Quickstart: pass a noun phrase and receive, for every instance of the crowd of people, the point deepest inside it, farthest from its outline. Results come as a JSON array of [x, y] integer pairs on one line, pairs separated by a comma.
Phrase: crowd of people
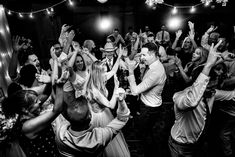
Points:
[[79, 105]]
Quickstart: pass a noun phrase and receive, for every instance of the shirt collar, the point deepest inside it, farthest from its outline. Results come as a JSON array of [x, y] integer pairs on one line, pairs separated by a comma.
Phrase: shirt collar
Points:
[[154, 64]]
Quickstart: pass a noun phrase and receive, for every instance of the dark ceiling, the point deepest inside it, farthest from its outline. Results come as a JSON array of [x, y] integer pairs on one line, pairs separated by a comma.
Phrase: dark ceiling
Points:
[[17, 4]]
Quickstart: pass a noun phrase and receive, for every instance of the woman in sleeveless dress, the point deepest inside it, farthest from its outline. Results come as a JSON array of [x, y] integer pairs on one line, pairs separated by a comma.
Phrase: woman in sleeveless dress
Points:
[[100, 107]]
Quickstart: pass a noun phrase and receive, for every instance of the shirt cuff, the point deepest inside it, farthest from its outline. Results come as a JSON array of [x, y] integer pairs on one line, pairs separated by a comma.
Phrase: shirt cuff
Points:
[[203, 78]]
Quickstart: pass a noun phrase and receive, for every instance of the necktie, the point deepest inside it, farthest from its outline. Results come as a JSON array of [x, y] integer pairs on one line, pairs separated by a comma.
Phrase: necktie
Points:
[[110, 64], [145, 71]]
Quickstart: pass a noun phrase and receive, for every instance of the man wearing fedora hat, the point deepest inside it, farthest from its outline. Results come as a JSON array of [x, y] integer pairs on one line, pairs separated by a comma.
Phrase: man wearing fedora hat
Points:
[[110, 59]]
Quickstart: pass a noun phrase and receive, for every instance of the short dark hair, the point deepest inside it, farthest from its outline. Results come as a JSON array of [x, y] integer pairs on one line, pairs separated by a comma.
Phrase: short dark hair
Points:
[[27, 75], [77, 112], [152, 47], [24, 55]]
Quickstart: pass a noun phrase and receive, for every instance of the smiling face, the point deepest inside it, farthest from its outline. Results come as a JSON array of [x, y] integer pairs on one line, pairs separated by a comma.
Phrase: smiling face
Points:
[[58, 49], [79, 63], [146, 56], [187, 44], [33, 59], [197, 55]]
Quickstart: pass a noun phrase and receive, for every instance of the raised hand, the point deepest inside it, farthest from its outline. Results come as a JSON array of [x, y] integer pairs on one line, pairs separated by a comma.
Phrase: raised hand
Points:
[[121, 94], [191, 25], [52, 52], [65, 27], [178, 34], [131, 64], [15, 44], [76, 46], [211, 29], [178, 62], [213, 54]]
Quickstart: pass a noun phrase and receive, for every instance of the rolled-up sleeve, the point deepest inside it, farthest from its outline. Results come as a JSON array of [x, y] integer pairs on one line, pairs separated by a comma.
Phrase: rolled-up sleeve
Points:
[[222, 95], [191, 96], [146, 84]]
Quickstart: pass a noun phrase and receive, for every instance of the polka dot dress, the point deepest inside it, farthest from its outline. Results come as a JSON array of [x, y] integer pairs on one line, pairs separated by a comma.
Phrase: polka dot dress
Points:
[[42, 145]]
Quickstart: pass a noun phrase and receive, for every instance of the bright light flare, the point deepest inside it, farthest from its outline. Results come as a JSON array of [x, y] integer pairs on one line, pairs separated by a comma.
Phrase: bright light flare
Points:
[[105, 24], [174, 23]]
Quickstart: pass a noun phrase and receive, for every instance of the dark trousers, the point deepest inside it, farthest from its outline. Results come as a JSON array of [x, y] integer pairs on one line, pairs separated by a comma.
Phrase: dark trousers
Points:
[[226, 133], [185, 150], [146, 121]]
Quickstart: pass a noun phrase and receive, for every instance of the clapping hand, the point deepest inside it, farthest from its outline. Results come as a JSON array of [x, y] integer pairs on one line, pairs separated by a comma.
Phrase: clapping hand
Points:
[[64, 77], [43, 78], [121, 94]]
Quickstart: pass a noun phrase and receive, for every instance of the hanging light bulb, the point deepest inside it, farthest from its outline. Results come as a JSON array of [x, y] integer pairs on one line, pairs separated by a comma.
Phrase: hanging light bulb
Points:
[[102, 1], [71, 2], [174, 11], [192, 10], [52, 10], [48, 12], [20, 15], [9, 12], [31, 15]]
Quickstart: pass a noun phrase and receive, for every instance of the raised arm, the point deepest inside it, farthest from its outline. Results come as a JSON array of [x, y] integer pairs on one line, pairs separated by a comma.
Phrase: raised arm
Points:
[[31, 128], [69, 40], [192, 95], [12, 69], [186, 78], [204, 40], [178, 34], [192, 34], [134, 48]]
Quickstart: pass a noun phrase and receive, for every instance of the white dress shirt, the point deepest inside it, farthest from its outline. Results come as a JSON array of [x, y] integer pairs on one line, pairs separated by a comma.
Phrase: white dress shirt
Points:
[[151, 86], [190, 110]]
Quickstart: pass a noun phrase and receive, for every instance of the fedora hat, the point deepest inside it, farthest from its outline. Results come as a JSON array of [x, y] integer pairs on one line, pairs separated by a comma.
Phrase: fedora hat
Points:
[[108, 47]]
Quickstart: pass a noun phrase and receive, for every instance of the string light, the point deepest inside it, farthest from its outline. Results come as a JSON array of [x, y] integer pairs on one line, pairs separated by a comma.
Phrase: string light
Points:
[[174, 11], [9, 12], [192, 10], [20, 15], [31, 15], [48, 12], [71, 2], [148, 2]]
